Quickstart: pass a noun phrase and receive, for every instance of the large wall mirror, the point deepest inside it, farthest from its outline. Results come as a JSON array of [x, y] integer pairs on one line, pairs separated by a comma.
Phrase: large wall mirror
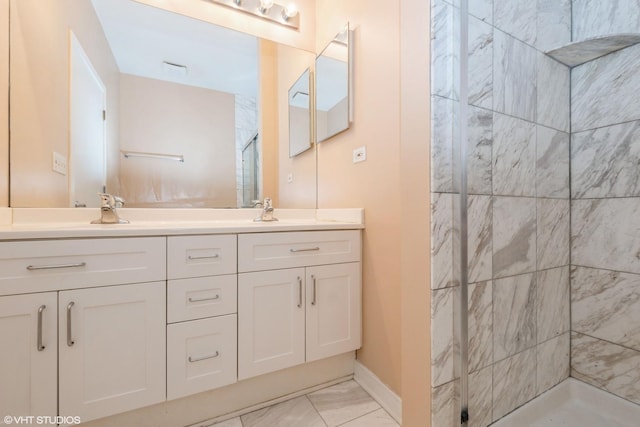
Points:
[[300, 114], [160, 108], [334, 103]]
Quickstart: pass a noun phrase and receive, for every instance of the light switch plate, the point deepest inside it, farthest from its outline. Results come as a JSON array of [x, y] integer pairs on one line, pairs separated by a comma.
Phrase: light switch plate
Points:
[[360, 154], [59, 163], [290, 178]]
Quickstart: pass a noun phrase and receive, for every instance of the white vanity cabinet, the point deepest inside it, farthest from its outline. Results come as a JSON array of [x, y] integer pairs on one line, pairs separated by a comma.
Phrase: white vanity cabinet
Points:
[[201, 313], [104, 336], [288, 316], [29, 356]]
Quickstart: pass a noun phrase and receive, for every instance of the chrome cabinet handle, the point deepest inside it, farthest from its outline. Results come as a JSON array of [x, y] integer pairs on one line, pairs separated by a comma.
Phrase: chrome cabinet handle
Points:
[[204, 257], [70, 341], [299, 292], [40, 310], [198, 359], [204, 299], [50, 267], [304, 250], [315, 290]]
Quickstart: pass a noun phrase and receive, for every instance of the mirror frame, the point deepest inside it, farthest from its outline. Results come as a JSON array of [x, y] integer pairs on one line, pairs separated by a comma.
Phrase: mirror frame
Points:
[[294, 149], [347, 33]]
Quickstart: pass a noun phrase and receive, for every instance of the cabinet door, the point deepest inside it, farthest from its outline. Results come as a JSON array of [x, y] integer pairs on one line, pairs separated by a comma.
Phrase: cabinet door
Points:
[[270, 321], [333, 310], [112, 349], [29, 356]]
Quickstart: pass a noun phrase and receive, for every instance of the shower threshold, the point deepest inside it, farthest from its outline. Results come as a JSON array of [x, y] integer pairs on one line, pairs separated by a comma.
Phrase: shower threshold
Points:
[[573, 403]]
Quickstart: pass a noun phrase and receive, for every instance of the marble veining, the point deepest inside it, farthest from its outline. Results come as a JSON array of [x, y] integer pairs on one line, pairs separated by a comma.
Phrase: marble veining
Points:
[[443, 366], [608, 366], [514, 315], [443, 238], [479, 236], [291, 413], [604, 91], [480, 391], [593, 18], [514, 382], [580, 52], [480, 325], [605, 233], [553, 85], [553, 23], [234, 422], [445, 50], [342, 402], [480, 145], [514, 235], [604, 304], [482, 9], [444, 137], [516, 17], [552, 163], [480, 80], [605, 162], [553, 363], [379, 418], [514, 156], [514, 78], [553, 239], [445, 405], [552, 302]]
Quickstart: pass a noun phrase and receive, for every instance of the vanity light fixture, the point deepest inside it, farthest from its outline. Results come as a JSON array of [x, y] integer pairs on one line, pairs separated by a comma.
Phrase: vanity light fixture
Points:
[[266, 9]]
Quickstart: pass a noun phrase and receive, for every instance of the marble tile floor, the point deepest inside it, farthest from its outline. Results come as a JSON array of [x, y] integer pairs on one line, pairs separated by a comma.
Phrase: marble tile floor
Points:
[[345, 404]]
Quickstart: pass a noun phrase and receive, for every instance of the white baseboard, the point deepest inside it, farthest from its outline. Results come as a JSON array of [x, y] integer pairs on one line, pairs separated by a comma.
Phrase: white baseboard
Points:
[[382, 394]]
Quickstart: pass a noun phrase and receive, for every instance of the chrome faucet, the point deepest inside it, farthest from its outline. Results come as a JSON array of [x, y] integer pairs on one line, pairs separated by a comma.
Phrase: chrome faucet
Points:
[[108, 213], [267, 211]]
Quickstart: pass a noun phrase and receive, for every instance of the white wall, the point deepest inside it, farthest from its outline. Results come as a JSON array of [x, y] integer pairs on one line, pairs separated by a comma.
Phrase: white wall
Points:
[[169, 118], [4, 103]]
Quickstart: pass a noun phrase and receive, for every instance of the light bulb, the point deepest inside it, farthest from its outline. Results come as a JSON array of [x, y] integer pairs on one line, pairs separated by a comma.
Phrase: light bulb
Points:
[[265, 5], [238, 2], [290, 11]]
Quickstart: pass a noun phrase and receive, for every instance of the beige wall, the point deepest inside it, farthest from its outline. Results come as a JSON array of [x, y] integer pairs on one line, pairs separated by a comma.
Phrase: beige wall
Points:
[[268, 119], [301, 192], [415, 205], [4, 103], [226, 17], [373, 184], [40, 93], [170, 118]]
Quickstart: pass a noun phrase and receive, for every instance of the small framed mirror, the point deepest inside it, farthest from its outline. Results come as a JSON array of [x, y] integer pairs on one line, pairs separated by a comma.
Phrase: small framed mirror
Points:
[[334, 86], [300, 115]]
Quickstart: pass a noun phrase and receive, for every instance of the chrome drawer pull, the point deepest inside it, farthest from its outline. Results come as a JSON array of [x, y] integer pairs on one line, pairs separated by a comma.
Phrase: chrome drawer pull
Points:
[[70, 341], [314, 301], [304, 250], [204, 257], [50, 267], [40, 310], [199, 359], [204, 299], [299, 292]]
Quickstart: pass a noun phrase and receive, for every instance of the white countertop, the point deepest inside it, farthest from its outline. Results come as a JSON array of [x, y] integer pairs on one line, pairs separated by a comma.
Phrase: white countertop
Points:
[[36, 223]]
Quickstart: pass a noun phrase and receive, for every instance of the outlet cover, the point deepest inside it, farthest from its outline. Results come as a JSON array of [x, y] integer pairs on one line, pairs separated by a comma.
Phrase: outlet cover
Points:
[[360, 154], [290, 178], [59, 163]]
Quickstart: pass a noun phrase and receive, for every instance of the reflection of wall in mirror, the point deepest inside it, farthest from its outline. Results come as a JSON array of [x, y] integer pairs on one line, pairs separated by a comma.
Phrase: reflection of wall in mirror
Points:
[[246, 129], [40, 96], [301, 191], [4, 103], [162, 117], [299, 128], [333, 121]]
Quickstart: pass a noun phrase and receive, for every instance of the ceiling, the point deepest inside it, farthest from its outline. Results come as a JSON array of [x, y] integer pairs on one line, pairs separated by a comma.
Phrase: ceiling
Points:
[[143, 37]]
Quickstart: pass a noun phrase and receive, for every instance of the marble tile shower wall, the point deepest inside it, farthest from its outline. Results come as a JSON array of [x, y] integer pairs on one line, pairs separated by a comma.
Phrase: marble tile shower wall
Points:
[[518, 207], [605, 185]]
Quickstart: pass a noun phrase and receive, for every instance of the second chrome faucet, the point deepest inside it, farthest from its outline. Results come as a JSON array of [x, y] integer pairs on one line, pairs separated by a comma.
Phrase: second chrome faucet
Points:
[[267, 212]]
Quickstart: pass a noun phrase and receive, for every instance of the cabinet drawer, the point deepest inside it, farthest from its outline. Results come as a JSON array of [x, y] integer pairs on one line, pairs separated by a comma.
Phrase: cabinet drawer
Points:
[[268, 251], [34, 266], [201, 355], [201, 297], [197, 256]]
